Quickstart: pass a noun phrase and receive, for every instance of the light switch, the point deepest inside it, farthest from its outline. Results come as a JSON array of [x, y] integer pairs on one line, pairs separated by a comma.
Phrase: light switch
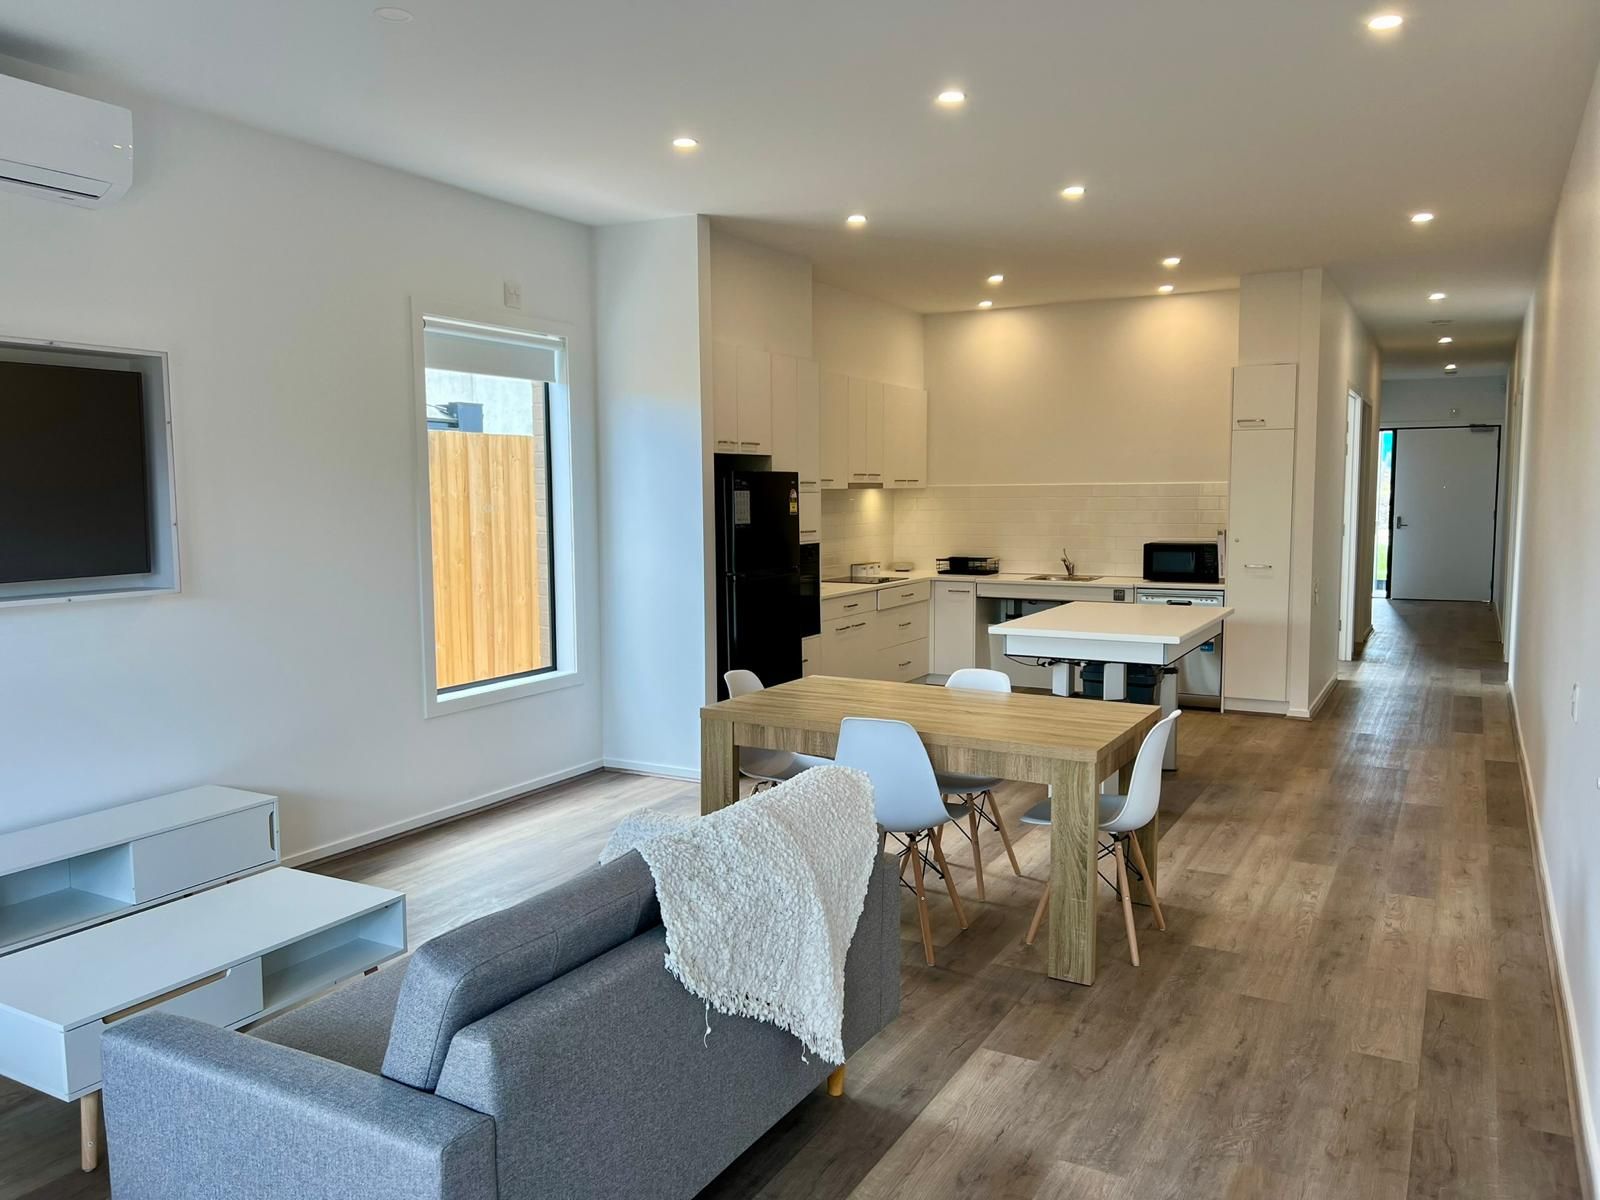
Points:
[[513, 294]]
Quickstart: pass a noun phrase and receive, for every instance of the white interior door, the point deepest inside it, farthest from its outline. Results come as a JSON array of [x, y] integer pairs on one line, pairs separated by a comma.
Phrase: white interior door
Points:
[[1444, 497]]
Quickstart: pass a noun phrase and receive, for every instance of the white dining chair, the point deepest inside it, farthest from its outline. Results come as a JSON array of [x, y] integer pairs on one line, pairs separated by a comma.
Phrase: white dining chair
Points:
[[906, 801], [767, 767], [1121, 817], [978, 790]]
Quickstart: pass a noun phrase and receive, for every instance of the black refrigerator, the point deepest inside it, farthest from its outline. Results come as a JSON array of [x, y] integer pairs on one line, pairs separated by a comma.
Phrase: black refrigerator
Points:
[[759, 612]]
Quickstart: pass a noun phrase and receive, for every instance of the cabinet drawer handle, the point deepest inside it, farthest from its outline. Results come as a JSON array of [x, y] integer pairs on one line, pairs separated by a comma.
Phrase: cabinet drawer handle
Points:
[[873, 475], [848, 607], [827, 479], [905, 624], [749, 443], [950, 591], [907, 663], [1258, 566], [803, 532], [859, 625], [1251, 421], [907, 595]]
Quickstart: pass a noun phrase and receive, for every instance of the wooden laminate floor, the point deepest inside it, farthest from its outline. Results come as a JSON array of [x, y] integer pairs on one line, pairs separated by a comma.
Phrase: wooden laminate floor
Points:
[[1352, 997]]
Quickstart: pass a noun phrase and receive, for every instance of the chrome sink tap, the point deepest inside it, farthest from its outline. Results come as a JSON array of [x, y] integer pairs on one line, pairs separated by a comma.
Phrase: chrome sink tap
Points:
[[1067, 564]]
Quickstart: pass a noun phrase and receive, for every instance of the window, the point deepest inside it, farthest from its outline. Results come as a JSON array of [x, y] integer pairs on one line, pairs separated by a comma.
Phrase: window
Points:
[[494, 412]]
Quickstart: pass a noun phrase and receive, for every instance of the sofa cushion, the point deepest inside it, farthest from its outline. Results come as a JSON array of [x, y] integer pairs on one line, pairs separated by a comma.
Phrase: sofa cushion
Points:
[[483, 965], [349, 1025]]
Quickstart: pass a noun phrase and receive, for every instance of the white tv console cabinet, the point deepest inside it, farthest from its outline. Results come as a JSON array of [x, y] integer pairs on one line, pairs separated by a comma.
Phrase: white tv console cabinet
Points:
[[228, 956], [78, 872]]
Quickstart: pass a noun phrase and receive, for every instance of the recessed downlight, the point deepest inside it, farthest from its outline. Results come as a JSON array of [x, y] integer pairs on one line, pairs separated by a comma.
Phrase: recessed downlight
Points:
[[1171, 261], [1446, 340], [985, 303], [996, 278], [1450, 368], [1421, 218], [685, 143], [1436, 296], [1386, 22], [856, 220], [397, 16], [951, 98], [1074, 191], [1165, 289]]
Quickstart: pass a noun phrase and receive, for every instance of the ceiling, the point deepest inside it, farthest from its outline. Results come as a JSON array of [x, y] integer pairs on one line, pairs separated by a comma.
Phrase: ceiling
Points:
[[1244, 135]]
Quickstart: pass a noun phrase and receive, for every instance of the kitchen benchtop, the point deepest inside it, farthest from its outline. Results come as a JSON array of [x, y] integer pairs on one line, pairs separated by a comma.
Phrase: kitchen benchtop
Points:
[[831, 590]]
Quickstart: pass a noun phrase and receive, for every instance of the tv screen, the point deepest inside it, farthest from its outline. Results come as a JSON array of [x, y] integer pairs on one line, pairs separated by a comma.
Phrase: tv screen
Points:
[[74, 486]]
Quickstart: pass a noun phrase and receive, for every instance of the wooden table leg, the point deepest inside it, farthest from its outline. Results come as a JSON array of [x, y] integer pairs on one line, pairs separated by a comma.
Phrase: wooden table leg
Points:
[[89, 1130], [719, 766], [1074, 896]]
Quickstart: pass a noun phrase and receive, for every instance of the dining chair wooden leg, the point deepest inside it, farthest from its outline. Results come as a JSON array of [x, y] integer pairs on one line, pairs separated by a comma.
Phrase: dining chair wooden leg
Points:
[[1149, 884], [1005, 836], [1038, 915], [977, 851], [949, 883], [1127, 900], [922, 902]]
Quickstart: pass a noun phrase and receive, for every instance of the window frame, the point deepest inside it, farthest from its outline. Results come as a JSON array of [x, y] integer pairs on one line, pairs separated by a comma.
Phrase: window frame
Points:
[[566, 672]]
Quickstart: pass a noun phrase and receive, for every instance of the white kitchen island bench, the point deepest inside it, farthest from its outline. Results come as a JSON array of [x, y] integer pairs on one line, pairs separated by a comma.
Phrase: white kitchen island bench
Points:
[[1115, 635]]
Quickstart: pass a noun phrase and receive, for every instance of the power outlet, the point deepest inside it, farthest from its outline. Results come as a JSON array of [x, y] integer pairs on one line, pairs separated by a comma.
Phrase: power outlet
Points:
[[513, 294]]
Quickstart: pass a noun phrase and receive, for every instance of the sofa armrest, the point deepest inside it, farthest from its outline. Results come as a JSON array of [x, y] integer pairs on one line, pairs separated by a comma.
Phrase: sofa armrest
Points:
[[193, 1111]]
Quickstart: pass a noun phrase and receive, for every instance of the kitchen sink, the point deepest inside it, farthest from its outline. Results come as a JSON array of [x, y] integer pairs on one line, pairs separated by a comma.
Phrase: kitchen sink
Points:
[[1065, 578]]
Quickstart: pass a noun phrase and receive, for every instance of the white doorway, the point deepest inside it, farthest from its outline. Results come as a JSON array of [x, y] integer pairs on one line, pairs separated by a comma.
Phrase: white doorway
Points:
[[1442, 534], [1355, 441]]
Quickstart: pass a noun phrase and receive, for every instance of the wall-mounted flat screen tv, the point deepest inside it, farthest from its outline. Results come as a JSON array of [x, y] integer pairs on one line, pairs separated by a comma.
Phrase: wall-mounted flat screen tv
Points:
[[74, 485]]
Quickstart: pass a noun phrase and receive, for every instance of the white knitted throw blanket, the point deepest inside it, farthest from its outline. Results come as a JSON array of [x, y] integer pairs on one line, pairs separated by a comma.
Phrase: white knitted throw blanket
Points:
[[760, 900]]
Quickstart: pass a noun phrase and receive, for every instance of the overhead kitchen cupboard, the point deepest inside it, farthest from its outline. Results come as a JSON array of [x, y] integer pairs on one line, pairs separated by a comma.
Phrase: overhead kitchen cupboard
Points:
[[833, 410], [905, 436], [866, 431], [1260, 516], [741, 397]]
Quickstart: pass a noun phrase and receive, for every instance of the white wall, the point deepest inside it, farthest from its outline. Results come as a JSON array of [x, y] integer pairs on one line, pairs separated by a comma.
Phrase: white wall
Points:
[[1556, 637], [1462, 400], [1347, 360], [279, 278], [653, 464], [760, 296], [1074, 393], [865, 337]]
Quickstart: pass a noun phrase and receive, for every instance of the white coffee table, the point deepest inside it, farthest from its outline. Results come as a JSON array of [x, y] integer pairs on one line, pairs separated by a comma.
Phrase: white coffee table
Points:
[[228, 956]]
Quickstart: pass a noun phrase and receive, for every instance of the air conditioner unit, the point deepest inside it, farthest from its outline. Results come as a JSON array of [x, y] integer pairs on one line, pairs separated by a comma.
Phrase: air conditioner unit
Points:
[[63, 147]]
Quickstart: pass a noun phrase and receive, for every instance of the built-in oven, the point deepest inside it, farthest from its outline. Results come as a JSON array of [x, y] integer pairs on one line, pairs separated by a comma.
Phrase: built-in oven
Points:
[[1182, 562], [810, 589]]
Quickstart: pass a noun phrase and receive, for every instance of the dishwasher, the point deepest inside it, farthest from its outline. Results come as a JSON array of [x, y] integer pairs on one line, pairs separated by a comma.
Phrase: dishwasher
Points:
[[1199, 671]]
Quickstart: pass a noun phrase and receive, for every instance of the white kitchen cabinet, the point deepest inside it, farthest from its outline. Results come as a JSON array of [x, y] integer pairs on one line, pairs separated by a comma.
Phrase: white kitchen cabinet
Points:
[[725, 397], [810, 655], [866, 431], [904, 662], [755, 401], [785, 408], [905, 436], [850, 645], [833, 466], [808, 426], [954, 642], [908, 623], [810, 516], [1264, 396], [1261, 505]]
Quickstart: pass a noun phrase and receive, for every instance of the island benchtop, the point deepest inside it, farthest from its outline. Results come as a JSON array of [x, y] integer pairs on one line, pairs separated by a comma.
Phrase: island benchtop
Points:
[[1094, 621]]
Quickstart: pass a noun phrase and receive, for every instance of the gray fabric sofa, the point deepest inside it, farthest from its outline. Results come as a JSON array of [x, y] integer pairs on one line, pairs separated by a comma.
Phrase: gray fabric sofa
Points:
[[541, 1051]]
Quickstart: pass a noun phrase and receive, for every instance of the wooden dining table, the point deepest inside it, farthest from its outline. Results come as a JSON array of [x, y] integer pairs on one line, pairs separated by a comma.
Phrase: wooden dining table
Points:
[[1068, 745]]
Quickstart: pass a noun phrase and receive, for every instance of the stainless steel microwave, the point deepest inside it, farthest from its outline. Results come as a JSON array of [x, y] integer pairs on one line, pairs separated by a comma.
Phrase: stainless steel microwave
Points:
[[1181, 562]]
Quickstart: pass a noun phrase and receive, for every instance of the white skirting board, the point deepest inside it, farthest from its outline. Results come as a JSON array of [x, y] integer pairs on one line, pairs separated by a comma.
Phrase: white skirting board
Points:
[[629, 766], [1588, 1144], [449, 811]]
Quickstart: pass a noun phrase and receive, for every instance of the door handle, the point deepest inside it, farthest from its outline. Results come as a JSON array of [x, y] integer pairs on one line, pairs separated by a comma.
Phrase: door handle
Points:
[[1258, 566], [1251, 421], [1400, 523]]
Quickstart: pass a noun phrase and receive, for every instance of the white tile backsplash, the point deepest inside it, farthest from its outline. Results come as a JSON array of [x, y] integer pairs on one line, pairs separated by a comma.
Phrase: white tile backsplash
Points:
[[1103, 526]]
